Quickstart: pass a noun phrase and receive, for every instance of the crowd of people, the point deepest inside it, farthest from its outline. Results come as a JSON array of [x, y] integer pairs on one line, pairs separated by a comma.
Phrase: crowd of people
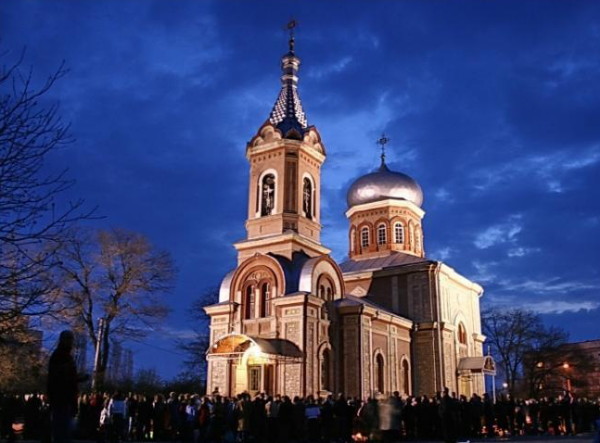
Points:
[[263, 418]]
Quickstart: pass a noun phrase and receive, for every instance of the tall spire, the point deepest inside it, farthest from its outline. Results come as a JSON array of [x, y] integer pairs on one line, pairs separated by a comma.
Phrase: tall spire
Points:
[[287, 114]]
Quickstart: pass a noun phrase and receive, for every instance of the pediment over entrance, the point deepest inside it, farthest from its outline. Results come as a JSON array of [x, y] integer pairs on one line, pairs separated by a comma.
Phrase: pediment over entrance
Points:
[[235, 345]]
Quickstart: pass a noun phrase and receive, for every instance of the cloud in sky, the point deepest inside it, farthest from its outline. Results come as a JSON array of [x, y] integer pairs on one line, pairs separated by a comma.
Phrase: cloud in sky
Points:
[[493, 107], [500, 233]]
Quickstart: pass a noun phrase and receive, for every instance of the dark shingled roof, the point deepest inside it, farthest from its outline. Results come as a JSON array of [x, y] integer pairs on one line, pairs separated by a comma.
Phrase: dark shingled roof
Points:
[[378, 263], [351, 300], [287, 114]]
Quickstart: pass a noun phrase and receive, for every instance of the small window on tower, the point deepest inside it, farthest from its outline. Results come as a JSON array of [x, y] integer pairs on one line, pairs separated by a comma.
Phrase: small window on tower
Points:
[[381, 234], [268, 194], [364, 237], [398, 233], [307, 198]]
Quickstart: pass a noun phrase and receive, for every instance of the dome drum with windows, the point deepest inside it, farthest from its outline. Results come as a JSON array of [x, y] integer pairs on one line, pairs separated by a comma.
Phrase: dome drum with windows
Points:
[[384, 208]]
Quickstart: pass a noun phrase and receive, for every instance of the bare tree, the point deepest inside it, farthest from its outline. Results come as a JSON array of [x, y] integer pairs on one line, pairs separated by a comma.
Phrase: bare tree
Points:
[[194, 348], [32, 222], [119, 276], [518, 337]]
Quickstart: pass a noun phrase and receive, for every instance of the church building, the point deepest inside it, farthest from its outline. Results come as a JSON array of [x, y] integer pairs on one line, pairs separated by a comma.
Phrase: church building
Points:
[[292, 321]]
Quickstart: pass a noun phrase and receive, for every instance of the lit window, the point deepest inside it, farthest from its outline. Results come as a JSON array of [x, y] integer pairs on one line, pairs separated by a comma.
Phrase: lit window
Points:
[[381, 235], [364, 237], [398, 233]]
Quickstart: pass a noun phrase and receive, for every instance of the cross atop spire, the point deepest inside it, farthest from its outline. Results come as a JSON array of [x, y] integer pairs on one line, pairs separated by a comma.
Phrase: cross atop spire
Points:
[[287, 114], [290, 27], [383, 140]]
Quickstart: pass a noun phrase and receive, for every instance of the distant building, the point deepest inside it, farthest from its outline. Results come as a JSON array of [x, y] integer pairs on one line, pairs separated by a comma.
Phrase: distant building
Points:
[[591, 388], [291, 320], [575, 368], [120, 367]]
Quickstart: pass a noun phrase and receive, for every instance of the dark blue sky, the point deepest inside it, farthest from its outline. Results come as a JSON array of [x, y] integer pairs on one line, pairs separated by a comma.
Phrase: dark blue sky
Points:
[[493, 106]]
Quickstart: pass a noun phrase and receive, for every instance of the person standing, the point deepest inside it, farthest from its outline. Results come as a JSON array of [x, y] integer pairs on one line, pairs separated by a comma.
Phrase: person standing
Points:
[[62, 388]]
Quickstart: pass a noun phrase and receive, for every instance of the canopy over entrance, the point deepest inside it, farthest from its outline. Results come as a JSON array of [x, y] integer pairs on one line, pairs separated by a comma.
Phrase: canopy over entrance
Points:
[[235, 345], [485, 365]]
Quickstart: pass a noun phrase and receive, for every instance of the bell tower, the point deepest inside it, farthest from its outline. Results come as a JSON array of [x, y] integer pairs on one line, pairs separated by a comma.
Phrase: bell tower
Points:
[[285, 156]]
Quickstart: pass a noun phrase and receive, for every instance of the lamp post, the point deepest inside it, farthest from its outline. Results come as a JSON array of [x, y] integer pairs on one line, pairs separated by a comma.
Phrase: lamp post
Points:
[[97, 354], [566, 367]]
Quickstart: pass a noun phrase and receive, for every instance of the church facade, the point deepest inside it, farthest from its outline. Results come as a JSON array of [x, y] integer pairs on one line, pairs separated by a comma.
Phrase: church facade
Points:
[[292, 321]]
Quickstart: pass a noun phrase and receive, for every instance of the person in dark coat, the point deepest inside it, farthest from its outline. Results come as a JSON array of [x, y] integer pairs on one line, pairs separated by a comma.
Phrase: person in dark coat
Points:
[[62, 388], [447, 408]]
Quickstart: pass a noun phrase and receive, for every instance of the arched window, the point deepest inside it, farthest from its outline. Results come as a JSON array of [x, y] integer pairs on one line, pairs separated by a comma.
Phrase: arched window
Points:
[[462, 334], [405, 377], [381, 234], [364, 237], [326, 287], [267, 194], [265, 300], [249, 303], [417, 240], [307, 198], [379, 373], [398, 233], [325, 371]]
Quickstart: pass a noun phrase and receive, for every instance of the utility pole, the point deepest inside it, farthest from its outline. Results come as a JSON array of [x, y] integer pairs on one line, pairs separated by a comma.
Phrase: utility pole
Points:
[[99, 340]]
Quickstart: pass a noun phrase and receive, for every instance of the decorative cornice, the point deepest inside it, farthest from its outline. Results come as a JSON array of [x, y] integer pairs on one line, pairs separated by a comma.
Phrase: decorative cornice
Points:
[[385, 203]]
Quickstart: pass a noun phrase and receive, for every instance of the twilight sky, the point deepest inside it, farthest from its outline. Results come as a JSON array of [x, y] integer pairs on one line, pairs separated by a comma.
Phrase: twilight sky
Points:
[[492, 106]]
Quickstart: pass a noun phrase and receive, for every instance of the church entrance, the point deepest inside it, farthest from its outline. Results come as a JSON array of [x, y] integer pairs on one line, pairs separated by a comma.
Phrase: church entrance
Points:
[[240, 363], [260, 379]]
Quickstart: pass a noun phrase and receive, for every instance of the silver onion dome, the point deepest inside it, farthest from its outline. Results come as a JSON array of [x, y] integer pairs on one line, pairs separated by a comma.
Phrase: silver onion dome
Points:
[[384, 184]]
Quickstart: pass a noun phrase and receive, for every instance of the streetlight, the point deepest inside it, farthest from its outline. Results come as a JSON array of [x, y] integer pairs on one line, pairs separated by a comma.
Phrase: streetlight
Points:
[[566, 367]]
